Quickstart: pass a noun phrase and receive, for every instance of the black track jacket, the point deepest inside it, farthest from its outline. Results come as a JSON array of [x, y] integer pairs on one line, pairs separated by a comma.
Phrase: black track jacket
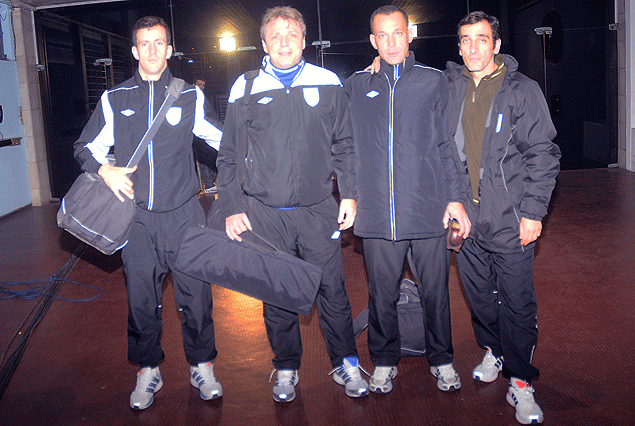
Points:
[[406, 174], [166, 177], [519, 161], [297, 137]]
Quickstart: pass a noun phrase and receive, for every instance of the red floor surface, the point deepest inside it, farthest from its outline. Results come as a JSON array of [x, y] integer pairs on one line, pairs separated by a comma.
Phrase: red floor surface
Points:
[[74, 370]]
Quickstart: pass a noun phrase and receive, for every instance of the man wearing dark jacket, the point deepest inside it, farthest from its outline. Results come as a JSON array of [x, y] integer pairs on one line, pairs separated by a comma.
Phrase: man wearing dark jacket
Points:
[[164, 187], [408, 188], [503, 134], [298, 134]]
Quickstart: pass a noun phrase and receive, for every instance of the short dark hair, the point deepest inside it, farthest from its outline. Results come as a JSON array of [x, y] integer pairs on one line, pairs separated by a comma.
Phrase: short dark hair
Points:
[[386, 10], [199, 78], [285, 12], [149, 22], [480, 16]]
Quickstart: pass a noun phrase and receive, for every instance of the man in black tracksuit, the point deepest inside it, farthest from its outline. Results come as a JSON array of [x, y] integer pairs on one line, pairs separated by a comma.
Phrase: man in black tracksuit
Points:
[[298, 135], [503, 133], [164, 186], [408, 187]]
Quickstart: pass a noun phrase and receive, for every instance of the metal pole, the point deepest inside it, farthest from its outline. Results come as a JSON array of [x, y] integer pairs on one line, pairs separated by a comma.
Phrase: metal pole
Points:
[[172, 22], [321, 49], [544, 60]]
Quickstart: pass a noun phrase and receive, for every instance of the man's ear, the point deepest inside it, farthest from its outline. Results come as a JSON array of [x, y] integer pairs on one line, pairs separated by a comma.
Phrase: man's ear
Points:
[[169, 52], [497, 47], [135, 52], [264, 46], [411, 35], [373, 41], [460, 54]]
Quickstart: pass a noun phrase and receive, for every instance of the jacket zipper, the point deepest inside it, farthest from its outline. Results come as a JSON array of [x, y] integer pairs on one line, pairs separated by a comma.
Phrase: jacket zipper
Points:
[[150, 147], [391, 163]]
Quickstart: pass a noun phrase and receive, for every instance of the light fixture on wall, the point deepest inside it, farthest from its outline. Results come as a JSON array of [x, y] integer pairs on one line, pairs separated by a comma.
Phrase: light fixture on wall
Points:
[[227, 44]]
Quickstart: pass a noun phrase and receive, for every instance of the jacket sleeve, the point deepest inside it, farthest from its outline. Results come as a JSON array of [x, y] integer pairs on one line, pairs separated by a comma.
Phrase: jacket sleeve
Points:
[[533, 134], [230, 196], [343, 148], [450, 171], [207, 126], [93, 145]]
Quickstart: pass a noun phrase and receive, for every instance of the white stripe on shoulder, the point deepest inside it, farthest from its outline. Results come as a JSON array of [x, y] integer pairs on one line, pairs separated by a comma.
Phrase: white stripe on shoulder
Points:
[[262, 83], [428, 68], [312, 75], [100, 146]]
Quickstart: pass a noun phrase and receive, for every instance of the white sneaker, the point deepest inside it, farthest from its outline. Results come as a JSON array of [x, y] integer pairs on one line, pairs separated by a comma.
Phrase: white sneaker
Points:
[[348, 375], [381, 380], [202, 378], [487, 371], [148, 383], [521, 396], [447, 377], [284, 387]]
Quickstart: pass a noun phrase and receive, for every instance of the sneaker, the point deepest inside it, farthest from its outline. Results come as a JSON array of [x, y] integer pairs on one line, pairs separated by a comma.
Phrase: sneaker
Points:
[[284, 387], [381, 380], [521, 396], [148, 383], [348, 375], [447, 377], [202, 378], [487, 371]]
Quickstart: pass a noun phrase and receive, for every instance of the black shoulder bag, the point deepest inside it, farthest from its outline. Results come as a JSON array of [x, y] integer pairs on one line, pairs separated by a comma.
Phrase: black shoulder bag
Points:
[[92, 212]]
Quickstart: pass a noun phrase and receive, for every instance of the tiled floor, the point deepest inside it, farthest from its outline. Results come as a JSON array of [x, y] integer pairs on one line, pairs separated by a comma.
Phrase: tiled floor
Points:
[[74, 369]]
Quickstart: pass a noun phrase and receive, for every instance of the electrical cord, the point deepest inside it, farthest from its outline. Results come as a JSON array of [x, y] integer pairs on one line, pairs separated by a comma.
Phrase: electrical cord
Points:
[[33, 292], [56, 281]]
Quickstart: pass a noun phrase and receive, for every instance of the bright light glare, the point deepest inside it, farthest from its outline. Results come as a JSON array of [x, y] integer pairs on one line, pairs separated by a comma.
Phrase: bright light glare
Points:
[[413, 29], [227, 44]]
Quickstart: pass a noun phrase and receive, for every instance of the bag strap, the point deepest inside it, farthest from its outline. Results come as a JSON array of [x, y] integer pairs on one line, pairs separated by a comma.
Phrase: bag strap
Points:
[[174, 91], [241, 149]]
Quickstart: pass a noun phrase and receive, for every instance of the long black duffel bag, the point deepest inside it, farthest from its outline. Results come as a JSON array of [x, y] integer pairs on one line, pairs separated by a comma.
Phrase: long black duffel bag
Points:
[[247, 267]]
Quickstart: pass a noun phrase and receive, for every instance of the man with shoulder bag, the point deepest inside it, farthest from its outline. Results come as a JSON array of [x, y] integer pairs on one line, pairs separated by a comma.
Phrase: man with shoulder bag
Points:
[[163, 185]]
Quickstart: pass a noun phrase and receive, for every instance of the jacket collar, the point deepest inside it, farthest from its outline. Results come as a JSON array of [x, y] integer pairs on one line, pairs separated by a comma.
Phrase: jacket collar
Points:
[[456, 71], [163, 81], [393, 72], [267, 67]]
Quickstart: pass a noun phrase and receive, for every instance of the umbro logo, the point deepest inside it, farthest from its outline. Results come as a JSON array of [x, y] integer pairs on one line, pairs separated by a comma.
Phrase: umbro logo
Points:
[[265, 100], [127, 112], [372, 94]]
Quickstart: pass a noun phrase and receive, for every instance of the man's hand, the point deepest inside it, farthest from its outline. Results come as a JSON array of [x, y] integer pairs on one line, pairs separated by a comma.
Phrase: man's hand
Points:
[[117, 180], [375, 66], [237, 224], [348, 211], [456, 211], [529, 230]]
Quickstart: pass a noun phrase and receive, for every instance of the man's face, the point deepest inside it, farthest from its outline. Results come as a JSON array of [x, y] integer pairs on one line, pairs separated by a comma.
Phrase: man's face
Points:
[[284, 43], [152, 52], [200, 84], [477, 47], [391, 37]]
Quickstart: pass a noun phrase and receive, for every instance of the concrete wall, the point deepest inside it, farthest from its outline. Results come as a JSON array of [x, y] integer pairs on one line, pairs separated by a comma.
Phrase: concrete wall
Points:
[[14, 181], [626, 78]]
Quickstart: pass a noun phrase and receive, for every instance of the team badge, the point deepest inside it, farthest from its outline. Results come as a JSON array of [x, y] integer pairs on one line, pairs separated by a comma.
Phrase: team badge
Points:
[[173, 116], [311, 96]]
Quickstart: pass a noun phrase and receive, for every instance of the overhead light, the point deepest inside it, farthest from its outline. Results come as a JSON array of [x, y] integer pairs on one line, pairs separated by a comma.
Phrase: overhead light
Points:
[[227, 44]]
